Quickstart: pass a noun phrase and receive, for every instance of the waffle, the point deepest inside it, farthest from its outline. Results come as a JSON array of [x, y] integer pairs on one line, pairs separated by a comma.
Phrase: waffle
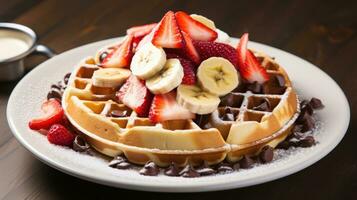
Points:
[[89, 109], [253, 128]]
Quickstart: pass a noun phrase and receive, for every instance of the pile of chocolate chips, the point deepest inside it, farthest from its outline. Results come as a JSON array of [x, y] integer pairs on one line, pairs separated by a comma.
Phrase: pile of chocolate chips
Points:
[[80, 145], [301, 133], [275, 85], [57, 90], [151, 169]]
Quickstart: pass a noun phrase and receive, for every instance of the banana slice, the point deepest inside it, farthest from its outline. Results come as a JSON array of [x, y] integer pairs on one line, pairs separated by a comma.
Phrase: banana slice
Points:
[[167, 79], [217, 75], [196, 100], [110, 77], [147, 61], [209, 23]]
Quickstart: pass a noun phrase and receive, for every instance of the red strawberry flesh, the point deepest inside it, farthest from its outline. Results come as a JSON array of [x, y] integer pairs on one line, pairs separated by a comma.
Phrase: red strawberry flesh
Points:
[[248, 65], [135, 95], [121, 56], [216, 49], [168, 33], [195, 29], [60, 135], [140, 31], [190, 50], [53, 113], [164, 107]]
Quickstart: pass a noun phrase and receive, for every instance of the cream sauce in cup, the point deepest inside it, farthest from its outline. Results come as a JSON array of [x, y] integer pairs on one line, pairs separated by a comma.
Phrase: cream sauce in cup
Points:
[[12, 44]]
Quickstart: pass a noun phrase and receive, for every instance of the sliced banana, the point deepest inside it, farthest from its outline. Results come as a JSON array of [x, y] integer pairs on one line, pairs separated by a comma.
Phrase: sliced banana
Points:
[[147, 61], [167, 79], [209, 23], [196, 100], [110, 77], [217, 75]]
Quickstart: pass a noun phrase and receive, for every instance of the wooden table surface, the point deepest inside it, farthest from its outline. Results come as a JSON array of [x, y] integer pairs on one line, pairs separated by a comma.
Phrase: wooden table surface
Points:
[[322, 32]]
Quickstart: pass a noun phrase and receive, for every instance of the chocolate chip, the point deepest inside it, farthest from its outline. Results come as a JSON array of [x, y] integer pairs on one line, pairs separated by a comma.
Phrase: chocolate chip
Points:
[[123, 165], [297, 128], [236, 166], [103, 56], [308, 123], [280, 80], [307, 108], [284, 145], [267, 154], [316, 103], [120, 162], [263, 106], [66, 78], [308, 141], [205, 170], [246, 162], [80, 144], [150, 169], [255, 87], [268, 89], [56, 86], [189, 172], [202, 120], [54, 94], [228, 117], [231, 100], [118, 113], [172, 170], [224, 168]]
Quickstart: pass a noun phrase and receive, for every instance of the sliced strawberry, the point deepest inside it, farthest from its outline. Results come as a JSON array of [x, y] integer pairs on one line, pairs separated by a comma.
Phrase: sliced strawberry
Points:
[[215, 49], [147, 38], [196, 30], [140, 31], [53, 113], [248, 65], [190, 50], [164, 107], [168, 33], [121, 56], [242, 48], [135, 95]]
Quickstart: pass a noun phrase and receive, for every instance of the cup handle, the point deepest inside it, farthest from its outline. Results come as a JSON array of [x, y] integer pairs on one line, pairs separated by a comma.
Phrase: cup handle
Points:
[[43, 50]]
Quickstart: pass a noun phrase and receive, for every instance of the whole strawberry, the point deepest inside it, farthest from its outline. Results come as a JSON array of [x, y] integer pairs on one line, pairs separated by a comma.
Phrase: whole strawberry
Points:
[[60, 135], [208, 49]]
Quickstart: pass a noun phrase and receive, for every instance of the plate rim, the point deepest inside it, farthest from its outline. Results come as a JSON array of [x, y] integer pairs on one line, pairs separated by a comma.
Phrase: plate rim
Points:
[[152, 186]]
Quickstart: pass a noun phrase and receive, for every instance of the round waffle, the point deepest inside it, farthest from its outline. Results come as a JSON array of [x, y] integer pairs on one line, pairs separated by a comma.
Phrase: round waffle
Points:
[[89, 108]]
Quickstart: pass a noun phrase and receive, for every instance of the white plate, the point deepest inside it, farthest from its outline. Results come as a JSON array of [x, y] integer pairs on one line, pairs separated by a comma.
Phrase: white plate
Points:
[[26, 98]]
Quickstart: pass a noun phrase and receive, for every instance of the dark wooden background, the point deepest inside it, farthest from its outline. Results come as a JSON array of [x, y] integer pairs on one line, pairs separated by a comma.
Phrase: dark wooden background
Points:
[[322, 32]]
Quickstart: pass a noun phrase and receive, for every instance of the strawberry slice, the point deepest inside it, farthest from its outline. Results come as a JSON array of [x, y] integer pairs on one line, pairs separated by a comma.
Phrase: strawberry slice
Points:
[[53, 113], [196, 30], [248, 65], [135, 95], [164, 107], [190, 50], [121, 56], [168, 33], [147, 38], [140, 31]]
